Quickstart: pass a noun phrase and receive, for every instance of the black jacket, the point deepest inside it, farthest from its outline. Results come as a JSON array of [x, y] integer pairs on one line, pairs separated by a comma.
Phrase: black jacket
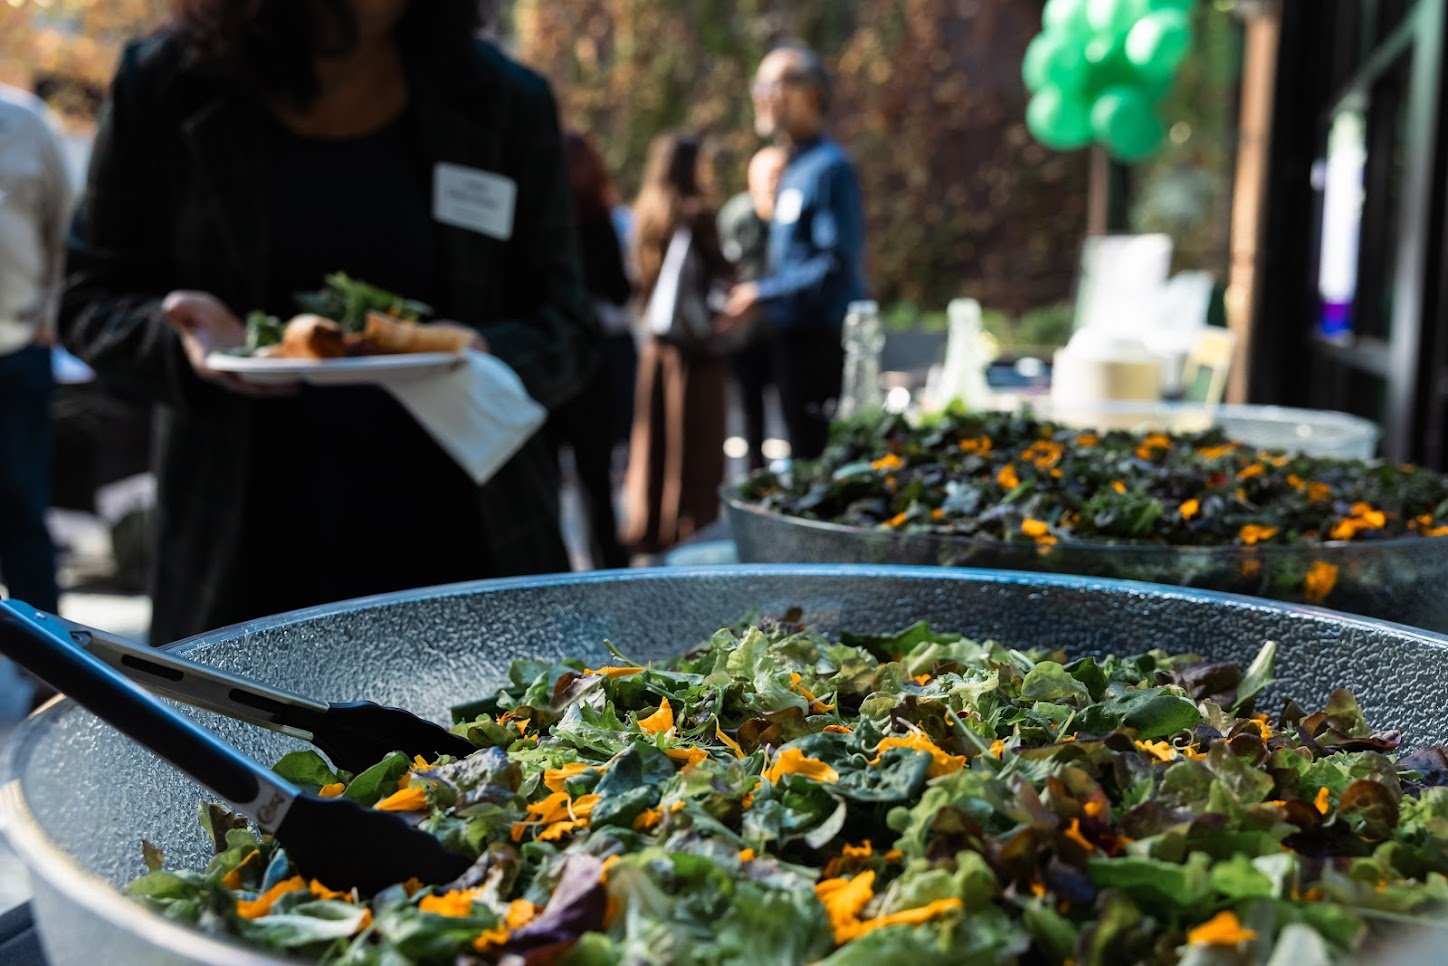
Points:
[[175, 200]]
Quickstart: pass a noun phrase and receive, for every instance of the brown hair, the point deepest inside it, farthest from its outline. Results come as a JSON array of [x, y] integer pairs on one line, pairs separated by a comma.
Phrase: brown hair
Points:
[[675, 189], [268, 46], [587, 176]]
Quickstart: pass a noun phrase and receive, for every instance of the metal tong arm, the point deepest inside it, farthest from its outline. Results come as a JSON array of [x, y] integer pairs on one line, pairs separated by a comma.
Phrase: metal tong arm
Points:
[[39, 642], [196, 684]]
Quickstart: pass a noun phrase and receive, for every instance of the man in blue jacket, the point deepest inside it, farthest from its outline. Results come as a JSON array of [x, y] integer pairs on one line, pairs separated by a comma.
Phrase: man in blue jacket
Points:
[[816, 245]]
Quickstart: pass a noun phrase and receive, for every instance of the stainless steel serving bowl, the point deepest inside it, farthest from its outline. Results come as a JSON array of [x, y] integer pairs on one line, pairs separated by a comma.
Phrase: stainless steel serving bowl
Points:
[[78, 798], [1400, 579]]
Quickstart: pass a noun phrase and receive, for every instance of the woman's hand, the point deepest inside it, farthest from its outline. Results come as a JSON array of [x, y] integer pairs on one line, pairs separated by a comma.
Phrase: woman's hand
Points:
[[205, 325]]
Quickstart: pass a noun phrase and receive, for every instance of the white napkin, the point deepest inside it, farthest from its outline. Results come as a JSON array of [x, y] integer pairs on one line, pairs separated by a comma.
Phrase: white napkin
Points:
[[479, 411]]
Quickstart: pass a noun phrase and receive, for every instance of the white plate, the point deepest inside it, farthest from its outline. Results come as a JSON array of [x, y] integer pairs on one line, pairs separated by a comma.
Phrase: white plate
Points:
[[352, 371]]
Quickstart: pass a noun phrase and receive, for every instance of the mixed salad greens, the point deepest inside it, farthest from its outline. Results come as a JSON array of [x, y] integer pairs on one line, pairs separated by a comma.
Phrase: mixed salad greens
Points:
[[779, 796], [344, 300], [1014, 478]]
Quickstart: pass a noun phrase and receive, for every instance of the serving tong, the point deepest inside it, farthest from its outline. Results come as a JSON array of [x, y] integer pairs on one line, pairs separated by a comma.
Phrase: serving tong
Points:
[[334, 840]]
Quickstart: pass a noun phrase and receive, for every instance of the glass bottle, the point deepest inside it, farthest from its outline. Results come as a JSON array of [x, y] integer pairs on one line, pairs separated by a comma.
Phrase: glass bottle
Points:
[[862, 340]]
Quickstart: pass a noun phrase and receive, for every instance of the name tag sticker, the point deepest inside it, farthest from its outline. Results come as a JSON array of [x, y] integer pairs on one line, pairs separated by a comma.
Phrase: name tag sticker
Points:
[[788, 205], [479, 201]]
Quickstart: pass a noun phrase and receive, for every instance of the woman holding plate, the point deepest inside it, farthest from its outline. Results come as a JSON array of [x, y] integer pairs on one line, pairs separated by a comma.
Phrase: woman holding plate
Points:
[[245, 152]]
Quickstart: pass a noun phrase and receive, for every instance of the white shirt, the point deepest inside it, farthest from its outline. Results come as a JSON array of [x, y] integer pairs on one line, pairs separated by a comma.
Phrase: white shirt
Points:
[[35, 196]]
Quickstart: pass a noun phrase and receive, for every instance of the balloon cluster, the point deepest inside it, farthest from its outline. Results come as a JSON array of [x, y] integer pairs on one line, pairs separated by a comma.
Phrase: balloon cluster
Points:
[[1098, 68]]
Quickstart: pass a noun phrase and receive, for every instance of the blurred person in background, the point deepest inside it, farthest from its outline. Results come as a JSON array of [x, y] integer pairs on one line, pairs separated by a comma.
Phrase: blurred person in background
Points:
[[676, 454], [246, 151], [599, 416], [35, 197], [744, 239], [816, 245]]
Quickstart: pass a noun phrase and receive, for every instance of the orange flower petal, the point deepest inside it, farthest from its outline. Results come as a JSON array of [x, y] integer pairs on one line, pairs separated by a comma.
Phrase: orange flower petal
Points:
[[262, 904], [941, 763], [660, 721], [792, 761], [409, 799], [1223, 929]]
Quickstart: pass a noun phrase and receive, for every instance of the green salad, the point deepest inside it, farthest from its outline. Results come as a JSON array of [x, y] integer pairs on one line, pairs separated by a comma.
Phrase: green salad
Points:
[[779, 796], [344, 300], [1015, 478]]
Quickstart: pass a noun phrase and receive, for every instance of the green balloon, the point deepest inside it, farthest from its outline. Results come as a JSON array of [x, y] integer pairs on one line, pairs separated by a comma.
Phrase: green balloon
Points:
[[1114, 16], [1053, 59], [1066, 17], [1159, 42], [1058, 120], [1123, 120], [1106, 65]]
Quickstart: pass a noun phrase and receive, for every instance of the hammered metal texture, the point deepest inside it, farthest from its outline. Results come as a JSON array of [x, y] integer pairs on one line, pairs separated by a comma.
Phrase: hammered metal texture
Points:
[[1399, 580], [94, 795]]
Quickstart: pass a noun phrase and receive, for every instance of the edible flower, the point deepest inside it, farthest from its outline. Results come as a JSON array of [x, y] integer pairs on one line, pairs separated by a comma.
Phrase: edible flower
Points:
[[975, 444], [1223, 929], [816, 706], [1363, 517], [727, 741], [520, 912], [1152, 444], [456, 904], [409, 799], [1254, 533], [232, 879], [332, 790], [792, 761], [889, 461], [558, 814], [1160, 750], [660, 721], [262, 904], [1007, 477], [687, 756], [553, 778], [1321, 578], [1189, 508], [613, 672], [1045, 453], [941, 762], [325, 894], [1323, 802]]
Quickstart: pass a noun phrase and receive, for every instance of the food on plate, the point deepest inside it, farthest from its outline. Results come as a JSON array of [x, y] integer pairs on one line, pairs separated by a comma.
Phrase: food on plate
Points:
[[312, 337], [777, 795], [1014, 478], [347, 317], [394, 335]]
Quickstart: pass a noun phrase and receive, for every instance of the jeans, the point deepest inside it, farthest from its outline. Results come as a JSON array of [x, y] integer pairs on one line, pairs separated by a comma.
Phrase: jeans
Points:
[[27, 556]]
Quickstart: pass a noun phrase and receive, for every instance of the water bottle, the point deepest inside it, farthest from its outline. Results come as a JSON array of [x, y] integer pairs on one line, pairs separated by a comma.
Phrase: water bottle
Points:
[[863, 340], [965, 358]]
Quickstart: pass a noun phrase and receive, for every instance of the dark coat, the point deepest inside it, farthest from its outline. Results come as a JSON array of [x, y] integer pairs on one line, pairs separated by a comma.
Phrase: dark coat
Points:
[[176, 200]]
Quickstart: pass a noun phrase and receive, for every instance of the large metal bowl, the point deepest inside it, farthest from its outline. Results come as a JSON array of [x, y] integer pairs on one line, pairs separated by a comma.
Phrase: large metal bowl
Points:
[[78, 798], [1400, 579]]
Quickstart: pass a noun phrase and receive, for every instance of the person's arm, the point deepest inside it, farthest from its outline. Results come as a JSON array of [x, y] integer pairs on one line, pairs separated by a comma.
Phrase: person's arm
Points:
[[55, 214], [837, 235], [118, 266], [549, 333]]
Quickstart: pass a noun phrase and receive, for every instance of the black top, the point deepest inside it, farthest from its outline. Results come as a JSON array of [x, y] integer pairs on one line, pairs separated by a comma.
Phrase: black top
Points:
[[178, 198], [361, 478], [603, 271]]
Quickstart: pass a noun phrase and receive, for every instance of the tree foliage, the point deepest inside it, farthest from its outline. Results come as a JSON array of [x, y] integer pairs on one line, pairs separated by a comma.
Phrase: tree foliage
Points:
[[928, 101]]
